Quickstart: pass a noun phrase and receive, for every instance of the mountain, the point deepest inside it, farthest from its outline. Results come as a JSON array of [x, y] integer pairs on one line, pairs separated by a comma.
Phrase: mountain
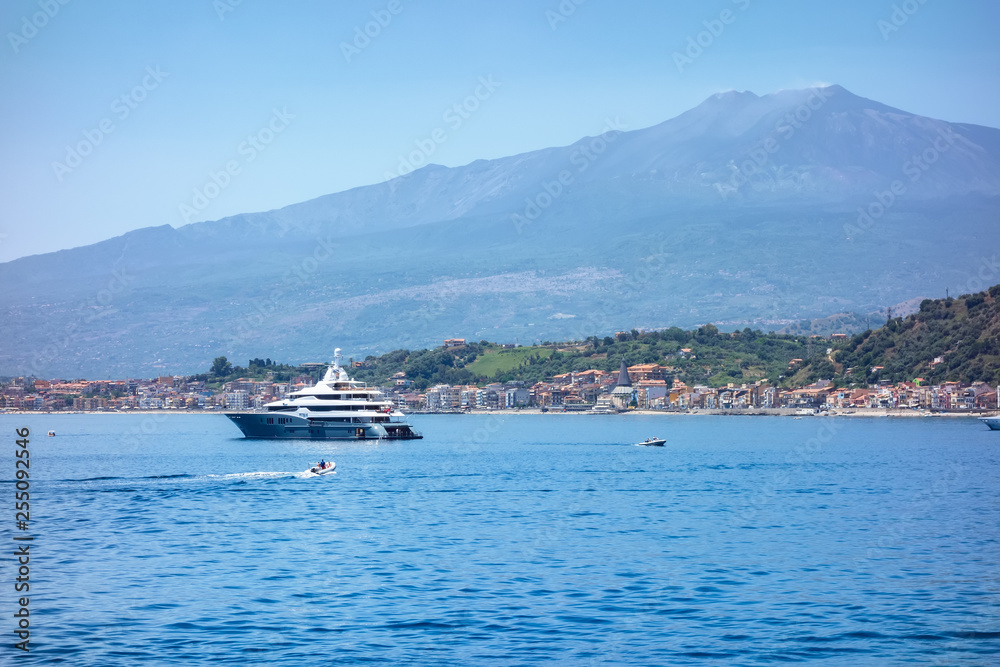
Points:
[[754, 211]]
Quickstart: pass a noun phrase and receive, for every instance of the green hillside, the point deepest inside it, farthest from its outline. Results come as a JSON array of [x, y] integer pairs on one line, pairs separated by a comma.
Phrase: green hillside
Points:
[[963, 334], [495, 361], [703, 356]]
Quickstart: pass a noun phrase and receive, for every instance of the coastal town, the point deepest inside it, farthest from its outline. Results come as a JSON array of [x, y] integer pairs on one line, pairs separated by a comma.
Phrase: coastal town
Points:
[[646, 387]]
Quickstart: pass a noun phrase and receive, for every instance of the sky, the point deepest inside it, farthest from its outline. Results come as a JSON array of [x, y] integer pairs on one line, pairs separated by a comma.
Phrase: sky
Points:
[[119, 115]]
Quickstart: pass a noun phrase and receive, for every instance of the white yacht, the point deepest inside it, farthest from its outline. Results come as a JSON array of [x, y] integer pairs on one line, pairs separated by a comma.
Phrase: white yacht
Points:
[[992, 422], [335, 408]]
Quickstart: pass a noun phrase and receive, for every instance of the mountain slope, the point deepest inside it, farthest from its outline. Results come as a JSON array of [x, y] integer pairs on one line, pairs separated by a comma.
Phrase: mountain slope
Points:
[[681, 223], [946, 340], [963, 333]]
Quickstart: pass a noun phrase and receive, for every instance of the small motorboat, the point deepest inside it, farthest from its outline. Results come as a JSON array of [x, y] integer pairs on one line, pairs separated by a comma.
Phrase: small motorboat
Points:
[[323, 468], [52, 434], [651, 442]]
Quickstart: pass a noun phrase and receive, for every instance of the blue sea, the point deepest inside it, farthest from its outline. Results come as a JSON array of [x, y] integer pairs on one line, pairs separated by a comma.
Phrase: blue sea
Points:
[[510, 540]]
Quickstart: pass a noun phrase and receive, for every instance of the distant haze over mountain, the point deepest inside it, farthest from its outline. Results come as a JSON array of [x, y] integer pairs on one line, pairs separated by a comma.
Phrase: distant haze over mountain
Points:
[[746, 210]]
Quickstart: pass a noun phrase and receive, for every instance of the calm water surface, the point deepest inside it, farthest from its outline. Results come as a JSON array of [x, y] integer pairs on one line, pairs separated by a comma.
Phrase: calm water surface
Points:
[[512, 540]]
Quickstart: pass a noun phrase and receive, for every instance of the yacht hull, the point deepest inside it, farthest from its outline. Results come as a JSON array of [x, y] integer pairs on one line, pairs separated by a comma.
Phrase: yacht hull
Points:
[[256, 425], [992, 422], [335, 408]]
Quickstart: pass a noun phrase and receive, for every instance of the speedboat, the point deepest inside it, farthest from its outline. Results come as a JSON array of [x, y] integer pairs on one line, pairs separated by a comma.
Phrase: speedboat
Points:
[[335, 408], [992, 422], [651, 442], [323, 468]]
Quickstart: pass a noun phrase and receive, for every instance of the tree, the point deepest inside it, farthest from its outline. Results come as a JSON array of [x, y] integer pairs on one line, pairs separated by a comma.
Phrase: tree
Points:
[[707, 333], [221, 366]]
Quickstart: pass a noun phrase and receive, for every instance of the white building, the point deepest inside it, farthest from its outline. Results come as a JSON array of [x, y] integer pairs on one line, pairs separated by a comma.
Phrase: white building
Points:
[[238, 400], [443, 397], [516, 397], [150, 403]]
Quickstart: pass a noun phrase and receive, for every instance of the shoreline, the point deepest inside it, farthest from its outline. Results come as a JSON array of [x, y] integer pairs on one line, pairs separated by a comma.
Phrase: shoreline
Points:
[[751, 412], [699, 412]]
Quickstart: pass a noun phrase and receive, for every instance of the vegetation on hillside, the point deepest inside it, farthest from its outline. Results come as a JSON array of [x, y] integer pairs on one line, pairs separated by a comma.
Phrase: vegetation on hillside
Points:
[[424, 368], [704, 356], [947, 340], [963, 333], [223, 371]]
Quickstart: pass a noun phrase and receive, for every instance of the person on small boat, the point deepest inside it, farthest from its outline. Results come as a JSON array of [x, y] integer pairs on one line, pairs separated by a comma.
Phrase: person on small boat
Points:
[[322, 464]]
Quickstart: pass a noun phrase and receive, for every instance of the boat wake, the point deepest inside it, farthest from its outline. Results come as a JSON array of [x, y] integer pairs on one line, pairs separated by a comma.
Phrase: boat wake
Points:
[[307, 474], [213, 477], [243, 476], [254, 475]]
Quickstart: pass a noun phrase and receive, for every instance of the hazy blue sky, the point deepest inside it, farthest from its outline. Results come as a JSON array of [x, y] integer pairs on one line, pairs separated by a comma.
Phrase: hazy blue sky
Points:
[[200, 76]]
